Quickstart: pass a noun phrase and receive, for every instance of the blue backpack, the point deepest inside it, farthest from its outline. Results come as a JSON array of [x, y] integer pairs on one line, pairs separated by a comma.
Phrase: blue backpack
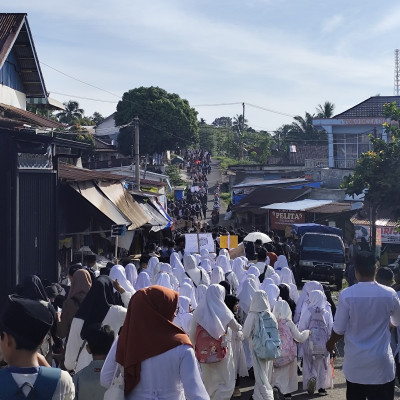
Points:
[[43, 389], [266, 341]]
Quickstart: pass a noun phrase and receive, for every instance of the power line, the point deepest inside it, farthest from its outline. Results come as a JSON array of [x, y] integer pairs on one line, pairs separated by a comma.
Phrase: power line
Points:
[[85, 98], [269, 110]]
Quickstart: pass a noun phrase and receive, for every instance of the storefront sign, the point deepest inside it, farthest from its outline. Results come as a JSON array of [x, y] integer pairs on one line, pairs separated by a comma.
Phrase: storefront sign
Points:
[[279, 219], [389, 235]]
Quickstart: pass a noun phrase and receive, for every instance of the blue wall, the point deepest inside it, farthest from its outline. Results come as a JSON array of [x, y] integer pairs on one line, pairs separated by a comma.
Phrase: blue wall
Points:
[[9, 74]]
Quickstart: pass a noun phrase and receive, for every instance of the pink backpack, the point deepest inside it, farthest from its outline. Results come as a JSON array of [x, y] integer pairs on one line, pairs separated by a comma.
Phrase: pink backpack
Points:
[[289, 347], [207, 349]]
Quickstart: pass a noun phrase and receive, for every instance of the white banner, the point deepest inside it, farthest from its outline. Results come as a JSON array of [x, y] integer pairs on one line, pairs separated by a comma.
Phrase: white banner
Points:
[[192, 241], [389, 235]]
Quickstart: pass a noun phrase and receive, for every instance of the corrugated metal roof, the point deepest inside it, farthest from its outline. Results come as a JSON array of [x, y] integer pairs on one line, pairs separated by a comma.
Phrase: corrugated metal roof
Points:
[[71, 173], [332, 208], [125, 202], [156, 219], [96, 197], [301, 205], [27, 117], [15, 34], [271, 182]]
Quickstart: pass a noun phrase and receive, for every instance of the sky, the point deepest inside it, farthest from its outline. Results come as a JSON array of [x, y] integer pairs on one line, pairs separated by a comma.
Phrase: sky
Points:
[[285, 56]]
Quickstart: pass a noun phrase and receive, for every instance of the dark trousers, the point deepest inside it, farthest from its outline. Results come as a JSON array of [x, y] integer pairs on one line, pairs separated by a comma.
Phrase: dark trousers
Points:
[[357, 391]]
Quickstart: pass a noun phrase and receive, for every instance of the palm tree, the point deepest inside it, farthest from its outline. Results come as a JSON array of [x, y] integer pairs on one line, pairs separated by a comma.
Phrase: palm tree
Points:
[[71, 114], [325, 110], [304, 126]]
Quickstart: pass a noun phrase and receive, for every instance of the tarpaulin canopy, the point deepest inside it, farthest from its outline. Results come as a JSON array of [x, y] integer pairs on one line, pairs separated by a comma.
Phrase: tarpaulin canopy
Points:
[[301, 229]]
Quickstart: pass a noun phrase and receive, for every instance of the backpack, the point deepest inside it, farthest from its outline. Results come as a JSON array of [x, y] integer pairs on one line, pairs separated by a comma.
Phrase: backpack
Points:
[[289, 347], [319, 334], [262, 275], [43, 388], [208, 350], [266, 340]]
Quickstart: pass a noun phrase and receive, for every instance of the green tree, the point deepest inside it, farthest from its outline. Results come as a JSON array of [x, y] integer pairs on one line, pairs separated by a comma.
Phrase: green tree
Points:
[[325, 110], [166, 120], [377, 171], [97, 118], [207, 137], [71, 114], [223, 122]]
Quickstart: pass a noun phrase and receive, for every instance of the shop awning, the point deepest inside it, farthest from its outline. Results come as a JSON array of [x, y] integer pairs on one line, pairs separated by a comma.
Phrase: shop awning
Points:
[[124, 201], [96, 197], [157, 221], [301, 205]]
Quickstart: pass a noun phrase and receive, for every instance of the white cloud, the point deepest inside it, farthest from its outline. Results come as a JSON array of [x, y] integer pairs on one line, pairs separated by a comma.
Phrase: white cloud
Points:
[[332, 23], [389, 22]]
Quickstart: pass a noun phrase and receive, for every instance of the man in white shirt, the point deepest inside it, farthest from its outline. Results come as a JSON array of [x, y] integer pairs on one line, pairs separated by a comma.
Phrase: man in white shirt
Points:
[[265, 270], [363, 315]]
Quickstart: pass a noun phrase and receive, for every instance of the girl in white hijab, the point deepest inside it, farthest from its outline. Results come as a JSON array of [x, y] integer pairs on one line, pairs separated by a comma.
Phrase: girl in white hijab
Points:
[[224, 252], [143, 281], [117, 272], [253, 278], [275, 277], [131, 274], [177, 267], [163, 279], [230, 276], [262, 368], [217, 275], [303, 301], [165, 268], [238, 268], [272, 293], [280, 263], [152, 267], [187, 290], [288, 278], [216, 318], [253, 270], [317, 373], [184, 317], [200, 292], [245, 297], [285, 377]]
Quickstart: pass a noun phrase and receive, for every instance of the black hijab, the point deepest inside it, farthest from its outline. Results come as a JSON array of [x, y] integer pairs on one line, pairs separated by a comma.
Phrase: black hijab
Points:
[[32, 288], [284, 294], [97, 302], [231, 301], [227, 287]]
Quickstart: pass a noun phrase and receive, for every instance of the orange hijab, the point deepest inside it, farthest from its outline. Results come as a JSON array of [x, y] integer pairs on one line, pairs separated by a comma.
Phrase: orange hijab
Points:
[[148, 331]]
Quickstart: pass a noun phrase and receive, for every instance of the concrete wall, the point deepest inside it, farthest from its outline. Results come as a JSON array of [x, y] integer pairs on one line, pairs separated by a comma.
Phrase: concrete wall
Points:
[[12, 97], [331, 178]]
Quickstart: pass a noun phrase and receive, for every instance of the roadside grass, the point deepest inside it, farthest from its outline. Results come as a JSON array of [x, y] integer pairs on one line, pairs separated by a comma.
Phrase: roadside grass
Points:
[[226, 162]]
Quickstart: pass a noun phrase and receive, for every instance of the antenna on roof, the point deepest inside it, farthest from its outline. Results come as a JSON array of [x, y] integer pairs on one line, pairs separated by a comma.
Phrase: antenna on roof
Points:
[[396, 73]]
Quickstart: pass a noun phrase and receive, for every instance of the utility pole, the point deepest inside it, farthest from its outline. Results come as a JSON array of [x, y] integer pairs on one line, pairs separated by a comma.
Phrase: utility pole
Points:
[[137, 154]]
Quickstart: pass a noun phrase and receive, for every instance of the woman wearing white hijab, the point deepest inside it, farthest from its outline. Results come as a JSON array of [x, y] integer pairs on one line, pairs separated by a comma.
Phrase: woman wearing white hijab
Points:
[[303, 301], [262, 368], [287, 277], [206, 265], [224, 252], [131, 273], [272, 293], [201, 292], [177, 267], [187, 290], [152, 267], [165, 268], [317, 373], [253, 270], [229, 275], [143, 281], [217, 275], [163, 279], [238, 268], [245, 297], [285, 377], [276, 278], [117, 272], [215, 317], [280, 263], [184, 317]]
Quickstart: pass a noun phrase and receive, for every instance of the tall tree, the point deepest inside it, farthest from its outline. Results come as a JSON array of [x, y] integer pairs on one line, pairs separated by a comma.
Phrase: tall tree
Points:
[[71, 114], [225, 122], [378, 170], [97, 118], [325, 110], [166, 120]]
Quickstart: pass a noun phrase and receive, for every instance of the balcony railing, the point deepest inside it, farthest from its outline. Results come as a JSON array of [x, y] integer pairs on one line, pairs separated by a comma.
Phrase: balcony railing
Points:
[[348, 163], [316, 163]]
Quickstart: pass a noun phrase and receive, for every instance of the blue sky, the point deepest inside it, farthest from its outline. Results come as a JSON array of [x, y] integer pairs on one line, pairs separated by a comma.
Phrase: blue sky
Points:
[[283, 55]]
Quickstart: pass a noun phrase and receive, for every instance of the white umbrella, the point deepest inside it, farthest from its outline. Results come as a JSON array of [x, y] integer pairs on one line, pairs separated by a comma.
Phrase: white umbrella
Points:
[[253, 236]]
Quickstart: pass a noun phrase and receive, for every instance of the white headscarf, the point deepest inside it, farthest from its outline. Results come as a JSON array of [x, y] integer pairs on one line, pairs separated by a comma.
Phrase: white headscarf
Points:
[[175, 260], [212, 313], [272, 292], [224, 252], [164, 267], [143, 281], [267, 281], [197, 258], [188, 291], [163, 279], [275, 277], [151, 267], [303, 299], [260, 302], [177, 267], [317, 299], [281, 262], [217, 275], [286, 275], [223, 262], [131, 273], [282, 310], [117, 272], [206, 265], [238, 268], [246, 294], [200, 292], [189, 262], [253, 270], [205, 253], [184, 318]]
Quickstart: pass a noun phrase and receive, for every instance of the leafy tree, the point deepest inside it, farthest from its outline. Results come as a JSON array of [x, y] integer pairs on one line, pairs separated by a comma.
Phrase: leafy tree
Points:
[[280, 140], [166, 120], [207, 137], [71, 114], [97, 118], [378, 170], [239, 124], [202, 121], [174, 176], [225, 122], [325, 110]]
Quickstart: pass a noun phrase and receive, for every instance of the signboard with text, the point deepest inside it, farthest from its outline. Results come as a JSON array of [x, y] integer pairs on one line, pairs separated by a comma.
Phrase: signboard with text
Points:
[[196, 242], [280, 219]]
